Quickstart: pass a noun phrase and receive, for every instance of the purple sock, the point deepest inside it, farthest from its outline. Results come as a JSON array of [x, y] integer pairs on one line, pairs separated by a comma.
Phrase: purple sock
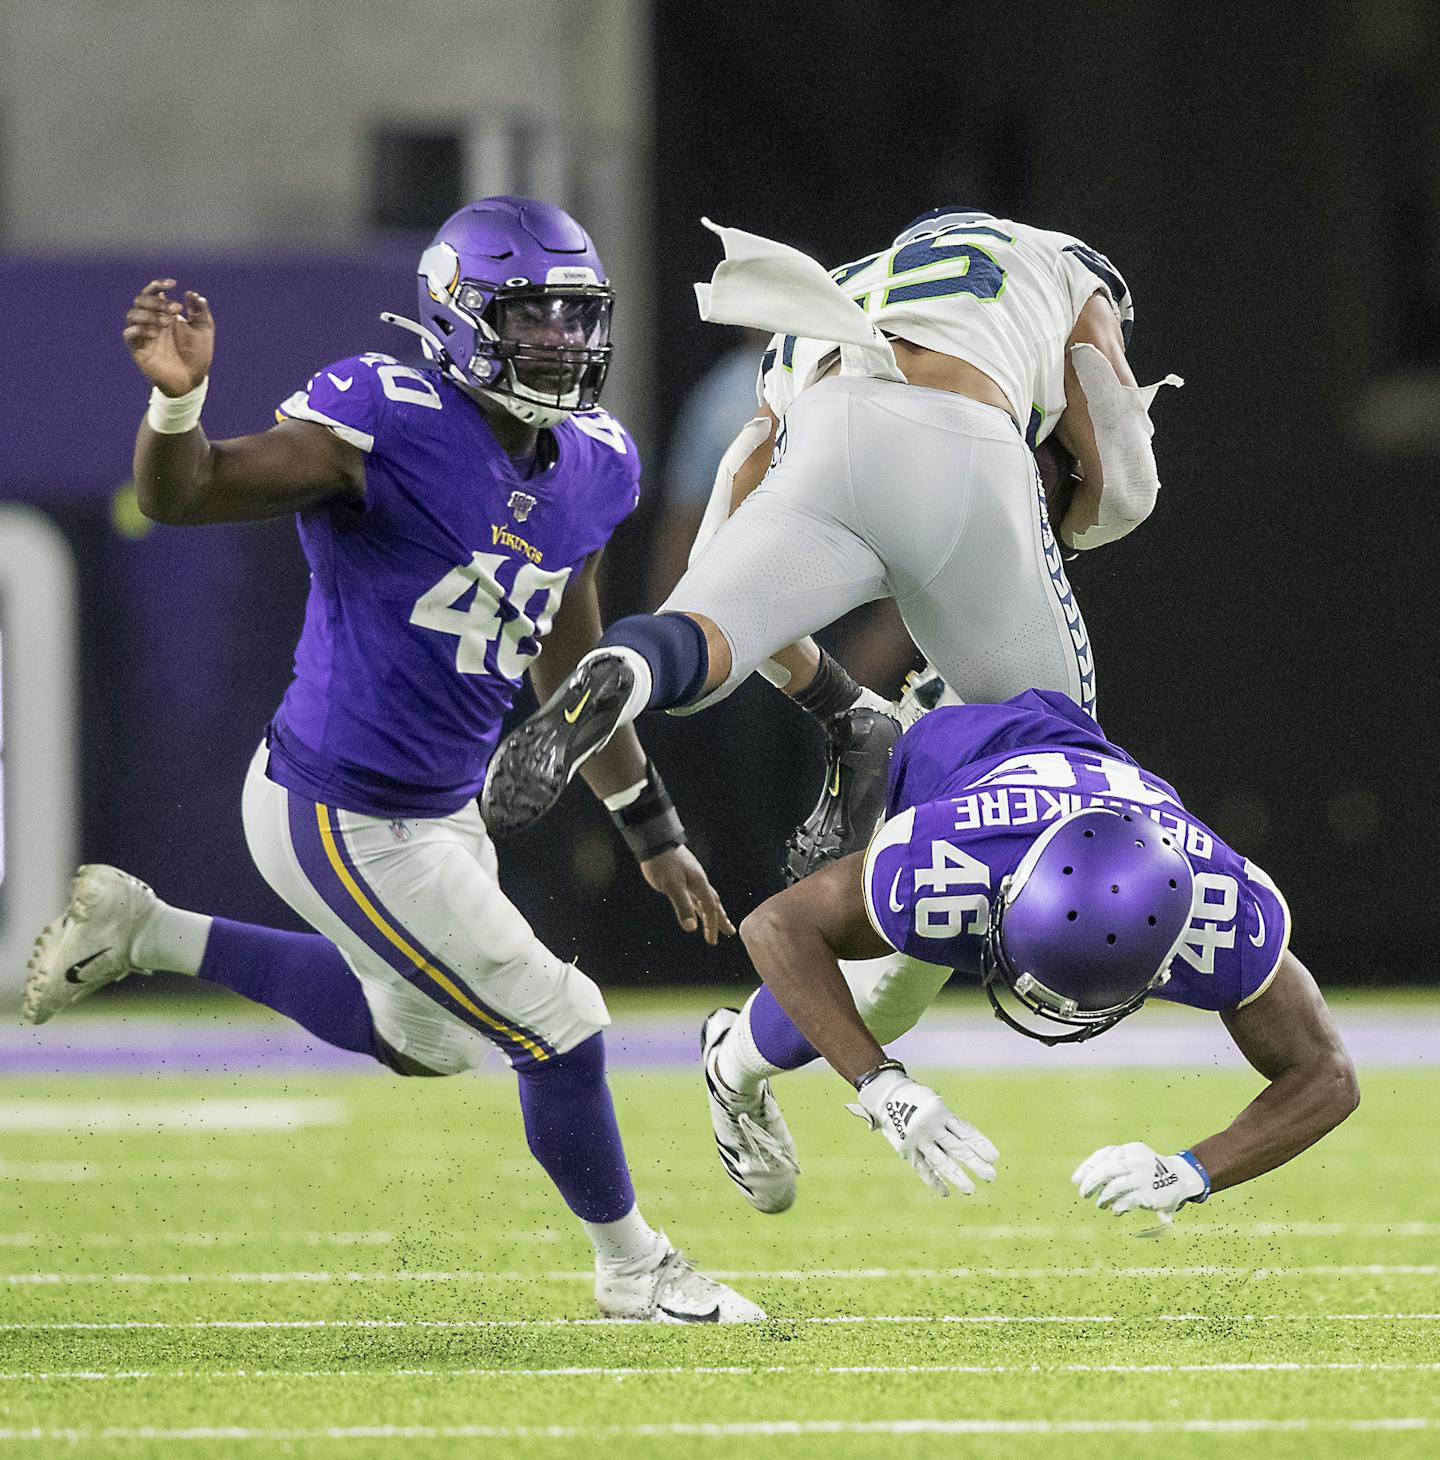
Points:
[[776, 1036], [300, 975], [571, 1130], [674, 647]]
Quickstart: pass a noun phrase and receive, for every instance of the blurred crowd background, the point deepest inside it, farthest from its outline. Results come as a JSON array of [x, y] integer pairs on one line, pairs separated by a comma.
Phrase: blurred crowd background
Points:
[[1269, 184]]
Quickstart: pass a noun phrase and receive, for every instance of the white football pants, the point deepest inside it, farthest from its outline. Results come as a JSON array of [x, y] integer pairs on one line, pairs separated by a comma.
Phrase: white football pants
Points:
[[448, 964], [880, 489]]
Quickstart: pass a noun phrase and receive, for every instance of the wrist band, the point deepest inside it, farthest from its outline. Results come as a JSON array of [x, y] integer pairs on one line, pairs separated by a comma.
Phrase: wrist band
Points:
[[173, 415], [886, 1064], [1204, 1175], [648, 821]]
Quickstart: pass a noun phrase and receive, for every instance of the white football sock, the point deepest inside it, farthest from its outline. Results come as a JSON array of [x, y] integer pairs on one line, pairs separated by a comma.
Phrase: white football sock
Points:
[[171, 940], [739, 1064], [619, 1243]]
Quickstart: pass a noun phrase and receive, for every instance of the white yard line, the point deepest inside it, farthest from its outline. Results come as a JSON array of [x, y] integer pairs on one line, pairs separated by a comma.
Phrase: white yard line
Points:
[[789, 1275], [996, 1233], [593, 1372], [142, 1116], [132, 1324], [723, 1431]]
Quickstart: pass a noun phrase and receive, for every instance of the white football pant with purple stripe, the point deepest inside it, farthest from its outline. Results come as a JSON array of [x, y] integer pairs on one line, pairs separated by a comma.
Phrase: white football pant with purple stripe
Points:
[[448, 964]]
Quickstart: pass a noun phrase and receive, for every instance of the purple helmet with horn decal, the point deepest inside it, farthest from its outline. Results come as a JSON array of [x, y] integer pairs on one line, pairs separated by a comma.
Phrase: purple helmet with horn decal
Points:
[[1088, 923], [514, 302]]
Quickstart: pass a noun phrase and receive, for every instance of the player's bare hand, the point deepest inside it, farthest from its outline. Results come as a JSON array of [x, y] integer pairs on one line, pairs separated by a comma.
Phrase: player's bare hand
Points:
[[678, 875], [172, 343]]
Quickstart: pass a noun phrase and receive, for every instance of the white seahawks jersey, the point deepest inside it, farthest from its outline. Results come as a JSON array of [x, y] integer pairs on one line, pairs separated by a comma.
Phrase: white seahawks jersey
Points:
[[1001, 295]]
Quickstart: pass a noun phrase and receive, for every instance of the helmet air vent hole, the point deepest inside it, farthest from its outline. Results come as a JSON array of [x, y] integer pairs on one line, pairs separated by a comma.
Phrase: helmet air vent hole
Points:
[[1139, 843], [1109, 937], [1071, 915], [1089, 833], [1151, 920], [1128, 817], [1067, 870], [1114, 887], [1174, 883]]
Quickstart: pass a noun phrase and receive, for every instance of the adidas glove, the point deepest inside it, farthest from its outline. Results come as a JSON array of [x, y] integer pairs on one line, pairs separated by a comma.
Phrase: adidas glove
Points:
[[1133, 1178], [926, 1132]]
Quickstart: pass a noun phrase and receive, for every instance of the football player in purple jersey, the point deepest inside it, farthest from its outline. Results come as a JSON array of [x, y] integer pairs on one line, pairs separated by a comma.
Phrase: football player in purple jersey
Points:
[[1023, 850], [452, 518]]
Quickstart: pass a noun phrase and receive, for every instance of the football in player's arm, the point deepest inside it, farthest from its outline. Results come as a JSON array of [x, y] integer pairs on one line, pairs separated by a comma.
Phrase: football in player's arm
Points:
[[1024, 849]]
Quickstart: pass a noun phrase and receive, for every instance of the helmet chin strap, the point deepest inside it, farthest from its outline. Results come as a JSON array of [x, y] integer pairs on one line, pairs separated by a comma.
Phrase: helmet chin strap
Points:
[[531, 413]]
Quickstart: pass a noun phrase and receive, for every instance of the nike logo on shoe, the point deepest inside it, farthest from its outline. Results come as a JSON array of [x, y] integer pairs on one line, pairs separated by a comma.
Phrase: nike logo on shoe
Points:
[[572, 715], [713, 1316], [72, 974]]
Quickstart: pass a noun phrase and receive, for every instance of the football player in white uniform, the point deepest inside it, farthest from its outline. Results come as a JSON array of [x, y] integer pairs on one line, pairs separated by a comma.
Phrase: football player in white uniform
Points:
[[891, 456]]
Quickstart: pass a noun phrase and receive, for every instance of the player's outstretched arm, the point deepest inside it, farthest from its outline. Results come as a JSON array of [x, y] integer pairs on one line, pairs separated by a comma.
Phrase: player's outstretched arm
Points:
[[796, 940], [181, 477], [1289, 1036], [623, 777]]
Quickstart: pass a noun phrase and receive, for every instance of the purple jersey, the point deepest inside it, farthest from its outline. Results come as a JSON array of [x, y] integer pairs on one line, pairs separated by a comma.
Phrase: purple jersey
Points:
[[971, 785], [428, 603]]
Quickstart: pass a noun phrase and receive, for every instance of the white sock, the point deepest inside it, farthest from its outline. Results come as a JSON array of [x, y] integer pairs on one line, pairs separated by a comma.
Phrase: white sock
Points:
[[738, 1062], [171, 940], [630, 1239], [644, 680]]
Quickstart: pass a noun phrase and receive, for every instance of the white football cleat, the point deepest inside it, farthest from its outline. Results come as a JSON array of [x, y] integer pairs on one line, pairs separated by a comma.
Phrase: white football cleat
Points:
[[89, 944], [666, 1289], [755, 1145]]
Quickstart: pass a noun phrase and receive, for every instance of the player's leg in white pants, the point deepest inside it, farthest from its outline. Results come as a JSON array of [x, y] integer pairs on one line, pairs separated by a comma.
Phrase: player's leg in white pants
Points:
[[922, 495], [450, 967], [448, 964]]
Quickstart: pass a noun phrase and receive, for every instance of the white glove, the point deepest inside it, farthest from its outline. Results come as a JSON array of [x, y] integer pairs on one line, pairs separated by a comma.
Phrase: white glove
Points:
[[1134, 1178], [926, 1132]]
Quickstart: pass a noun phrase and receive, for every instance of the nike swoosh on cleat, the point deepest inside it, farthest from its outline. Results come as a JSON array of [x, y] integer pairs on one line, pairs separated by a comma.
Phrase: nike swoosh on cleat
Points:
[[340, 384], [572, 715], [74, 969], [835, 784], [713, 1316]]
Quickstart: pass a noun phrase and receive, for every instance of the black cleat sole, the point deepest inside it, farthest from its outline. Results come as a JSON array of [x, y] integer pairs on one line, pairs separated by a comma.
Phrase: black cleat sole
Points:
[[534, 763]]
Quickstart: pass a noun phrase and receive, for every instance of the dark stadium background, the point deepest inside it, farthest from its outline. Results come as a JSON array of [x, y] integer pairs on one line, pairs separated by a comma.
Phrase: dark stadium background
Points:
[[1265, 642]]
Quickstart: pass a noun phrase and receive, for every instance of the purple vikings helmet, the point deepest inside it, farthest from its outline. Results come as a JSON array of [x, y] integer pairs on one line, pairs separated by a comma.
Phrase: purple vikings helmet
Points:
[[1088, 923], [514, 302]]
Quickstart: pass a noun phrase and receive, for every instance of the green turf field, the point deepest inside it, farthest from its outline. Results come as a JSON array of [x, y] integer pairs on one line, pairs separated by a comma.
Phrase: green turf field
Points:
[[384, 1272]]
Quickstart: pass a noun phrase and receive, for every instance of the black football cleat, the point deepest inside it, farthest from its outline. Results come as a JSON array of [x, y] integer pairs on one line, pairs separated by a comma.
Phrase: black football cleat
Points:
[[857, 766], [534, 763]]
